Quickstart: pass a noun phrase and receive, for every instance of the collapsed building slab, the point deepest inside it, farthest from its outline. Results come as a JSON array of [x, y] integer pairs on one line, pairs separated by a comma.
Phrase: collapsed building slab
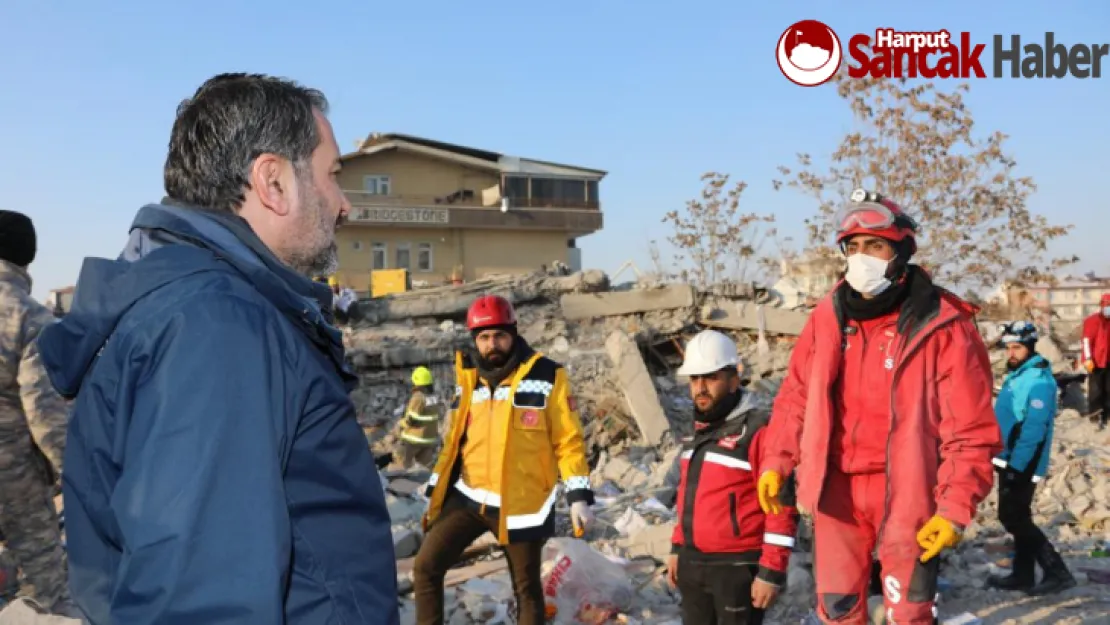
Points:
[[589, 305], [744, 315], [639, 389]]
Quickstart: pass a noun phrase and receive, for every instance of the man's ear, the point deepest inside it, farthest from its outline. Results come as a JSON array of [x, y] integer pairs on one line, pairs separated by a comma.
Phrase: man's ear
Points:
[[271, 181]]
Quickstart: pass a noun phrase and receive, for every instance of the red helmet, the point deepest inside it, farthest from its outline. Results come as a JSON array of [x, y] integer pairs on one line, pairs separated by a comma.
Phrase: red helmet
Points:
[[490, 310], [870, 213], [1105, 301]]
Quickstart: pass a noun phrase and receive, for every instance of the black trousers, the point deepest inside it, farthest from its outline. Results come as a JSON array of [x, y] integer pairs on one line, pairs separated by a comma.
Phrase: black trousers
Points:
[[1015, 512], [716, 593], [1098, 393]]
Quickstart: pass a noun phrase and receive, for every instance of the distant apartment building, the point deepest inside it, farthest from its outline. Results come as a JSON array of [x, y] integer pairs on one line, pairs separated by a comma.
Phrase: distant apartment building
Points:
[[445, 211], [60, 300], [1064, 304], [805, 278]]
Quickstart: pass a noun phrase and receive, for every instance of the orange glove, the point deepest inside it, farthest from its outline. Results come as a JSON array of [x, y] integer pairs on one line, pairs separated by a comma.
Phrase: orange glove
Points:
[[767, 489], [936, 535], [1089, 366]]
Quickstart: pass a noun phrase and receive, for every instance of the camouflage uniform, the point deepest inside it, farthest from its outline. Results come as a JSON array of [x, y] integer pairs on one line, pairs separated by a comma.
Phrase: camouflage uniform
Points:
[[32, 438]]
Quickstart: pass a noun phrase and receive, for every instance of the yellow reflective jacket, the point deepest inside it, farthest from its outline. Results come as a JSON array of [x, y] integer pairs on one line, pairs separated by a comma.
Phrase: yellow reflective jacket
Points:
[[420, 425], [519, 439]]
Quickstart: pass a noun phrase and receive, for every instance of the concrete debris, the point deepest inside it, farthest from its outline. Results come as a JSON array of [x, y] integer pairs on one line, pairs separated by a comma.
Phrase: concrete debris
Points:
[[578, 306], [620, 349], [636, 383]]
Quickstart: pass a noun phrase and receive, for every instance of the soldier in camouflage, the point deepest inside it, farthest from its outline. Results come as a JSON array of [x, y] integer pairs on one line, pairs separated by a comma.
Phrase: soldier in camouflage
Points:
[[32, 426]]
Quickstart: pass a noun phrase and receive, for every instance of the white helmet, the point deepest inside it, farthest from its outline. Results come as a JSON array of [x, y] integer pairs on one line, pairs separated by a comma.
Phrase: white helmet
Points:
[[707, 352]]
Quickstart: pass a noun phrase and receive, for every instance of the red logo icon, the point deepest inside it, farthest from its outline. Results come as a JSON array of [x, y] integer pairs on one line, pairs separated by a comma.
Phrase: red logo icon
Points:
[[530, 418], [809, 53]]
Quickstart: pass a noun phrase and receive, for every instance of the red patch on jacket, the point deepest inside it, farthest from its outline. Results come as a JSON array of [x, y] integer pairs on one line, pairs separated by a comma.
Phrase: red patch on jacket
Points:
[[729, 442], [530, 418]]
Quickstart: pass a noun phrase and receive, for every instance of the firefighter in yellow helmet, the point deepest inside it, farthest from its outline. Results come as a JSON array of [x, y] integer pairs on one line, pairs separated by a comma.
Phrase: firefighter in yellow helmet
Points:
[[420, 425]]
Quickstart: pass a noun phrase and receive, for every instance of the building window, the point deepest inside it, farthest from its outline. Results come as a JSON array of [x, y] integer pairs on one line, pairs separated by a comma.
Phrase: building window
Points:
[[591, 193], [357, 245], [377, 256], [403, 256], [424, 257], [376, 184], [516, 187]]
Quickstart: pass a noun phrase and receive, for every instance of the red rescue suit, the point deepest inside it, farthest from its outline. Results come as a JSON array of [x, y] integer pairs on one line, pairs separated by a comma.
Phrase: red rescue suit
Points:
[[885, 424], [1096, 337], [719, 518]]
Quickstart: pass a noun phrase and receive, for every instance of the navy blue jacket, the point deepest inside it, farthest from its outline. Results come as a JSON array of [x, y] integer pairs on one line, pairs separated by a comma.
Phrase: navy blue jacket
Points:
[[1026, 411], [214, 470]]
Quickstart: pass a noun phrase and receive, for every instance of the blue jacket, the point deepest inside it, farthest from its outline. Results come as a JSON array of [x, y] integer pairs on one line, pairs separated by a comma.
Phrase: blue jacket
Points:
[[214, 470], [1026, 409]]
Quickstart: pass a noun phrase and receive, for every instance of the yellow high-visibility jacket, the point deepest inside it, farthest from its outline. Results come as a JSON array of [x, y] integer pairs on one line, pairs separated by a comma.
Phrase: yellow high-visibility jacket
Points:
[[520, 438], [420, 425]]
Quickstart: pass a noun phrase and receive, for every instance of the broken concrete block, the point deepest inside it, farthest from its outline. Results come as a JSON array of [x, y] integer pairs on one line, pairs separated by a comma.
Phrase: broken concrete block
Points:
[[634, 379], [588, 305], [406, 542], [654, 541], [744, 315]]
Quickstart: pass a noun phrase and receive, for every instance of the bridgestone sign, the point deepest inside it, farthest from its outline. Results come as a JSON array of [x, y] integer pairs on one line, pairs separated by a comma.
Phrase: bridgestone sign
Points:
[[431, 216]]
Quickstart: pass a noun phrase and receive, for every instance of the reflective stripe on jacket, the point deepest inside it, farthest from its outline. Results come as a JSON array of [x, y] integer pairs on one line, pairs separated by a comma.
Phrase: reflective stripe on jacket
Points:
[[421, 420], [528, 433]]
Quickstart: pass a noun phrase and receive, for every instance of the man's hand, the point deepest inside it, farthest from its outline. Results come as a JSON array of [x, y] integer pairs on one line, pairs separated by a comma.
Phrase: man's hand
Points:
[[763, 594], [770, 483], [672, 570], [1089, 366], [937, 534], [581, 517]]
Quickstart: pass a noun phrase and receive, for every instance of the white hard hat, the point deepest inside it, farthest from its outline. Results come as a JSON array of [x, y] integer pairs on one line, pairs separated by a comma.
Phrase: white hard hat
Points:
[[707, 352]]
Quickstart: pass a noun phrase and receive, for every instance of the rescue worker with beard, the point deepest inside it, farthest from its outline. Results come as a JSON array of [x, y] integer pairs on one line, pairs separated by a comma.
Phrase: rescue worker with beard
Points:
[[728, 567], [886, 416], [514, 431], [1026, 408], [1096, 359]]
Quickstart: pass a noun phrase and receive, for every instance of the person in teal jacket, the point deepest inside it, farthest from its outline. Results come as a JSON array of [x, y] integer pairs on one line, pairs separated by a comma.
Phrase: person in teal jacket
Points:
[[1026, 408]]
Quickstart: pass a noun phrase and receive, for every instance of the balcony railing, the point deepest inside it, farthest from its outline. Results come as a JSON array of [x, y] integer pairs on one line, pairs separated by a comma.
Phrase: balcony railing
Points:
[[567, 220], [463, 198]]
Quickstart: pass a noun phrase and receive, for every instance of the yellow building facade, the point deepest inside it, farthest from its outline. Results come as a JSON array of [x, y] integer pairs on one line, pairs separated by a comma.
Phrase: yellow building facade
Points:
[[442, 210]]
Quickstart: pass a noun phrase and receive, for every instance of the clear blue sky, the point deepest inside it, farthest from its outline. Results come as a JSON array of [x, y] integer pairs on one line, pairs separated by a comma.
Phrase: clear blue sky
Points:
[[654, 92]]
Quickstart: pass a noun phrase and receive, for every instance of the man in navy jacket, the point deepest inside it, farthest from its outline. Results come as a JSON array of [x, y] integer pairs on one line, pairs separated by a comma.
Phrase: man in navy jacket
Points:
[[214, 470], [1026, 408]]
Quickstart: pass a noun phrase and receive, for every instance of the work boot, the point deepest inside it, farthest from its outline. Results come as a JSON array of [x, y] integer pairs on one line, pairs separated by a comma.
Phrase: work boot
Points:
[[1057, 577], [1022, 571]]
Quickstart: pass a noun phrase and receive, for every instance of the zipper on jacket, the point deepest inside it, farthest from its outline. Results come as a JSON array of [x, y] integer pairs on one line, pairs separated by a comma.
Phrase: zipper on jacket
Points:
[[732, 514], [693, 476], [862, 351], [902, 358]]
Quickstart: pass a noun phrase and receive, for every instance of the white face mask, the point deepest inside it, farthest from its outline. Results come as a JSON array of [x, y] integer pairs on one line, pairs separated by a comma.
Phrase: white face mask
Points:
[[1106, 312], [867, 274]]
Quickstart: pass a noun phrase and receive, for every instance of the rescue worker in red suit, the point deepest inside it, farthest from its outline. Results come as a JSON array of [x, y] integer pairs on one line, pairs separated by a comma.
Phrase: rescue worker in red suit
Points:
[[1096, 359], [728, 558], [885, 421]]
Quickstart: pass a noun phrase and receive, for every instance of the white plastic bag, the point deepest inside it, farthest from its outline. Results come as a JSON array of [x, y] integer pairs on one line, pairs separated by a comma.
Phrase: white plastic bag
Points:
[[585, 587]]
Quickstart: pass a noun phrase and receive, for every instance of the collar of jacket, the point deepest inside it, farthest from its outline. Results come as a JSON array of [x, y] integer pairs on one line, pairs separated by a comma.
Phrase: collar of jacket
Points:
[[751, 411], [1036, 361], [15, 275]]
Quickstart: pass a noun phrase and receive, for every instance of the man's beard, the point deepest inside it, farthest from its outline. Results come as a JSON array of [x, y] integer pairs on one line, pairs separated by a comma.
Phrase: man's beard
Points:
[[1014, 365], [317, 253], [495, 358]]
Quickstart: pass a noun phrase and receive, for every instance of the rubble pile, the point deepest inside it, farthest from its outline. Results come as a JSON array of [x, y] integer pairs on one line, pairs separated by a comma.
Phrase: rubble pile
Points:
[[620, 347]]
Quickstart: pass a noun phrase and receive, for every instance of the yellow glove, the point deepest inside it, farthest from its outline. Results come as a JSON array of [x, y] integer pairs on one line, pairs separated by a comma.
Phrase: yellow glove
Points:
[[767, 489], [937, 534], [1089, 366]]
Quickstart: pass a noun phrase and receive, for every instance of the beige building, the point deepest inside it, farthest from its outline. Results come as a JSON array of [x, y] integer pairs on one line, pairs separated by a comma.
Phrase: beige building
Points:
[[1064, 304], [807, 277], [436, 209], [60, 298]]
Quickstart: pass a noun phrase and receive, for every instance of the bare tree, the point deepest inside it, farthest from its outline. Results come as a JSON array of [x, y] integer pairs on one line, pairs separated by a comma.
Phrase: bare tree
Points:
[[915, 144], [713, 239]]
